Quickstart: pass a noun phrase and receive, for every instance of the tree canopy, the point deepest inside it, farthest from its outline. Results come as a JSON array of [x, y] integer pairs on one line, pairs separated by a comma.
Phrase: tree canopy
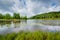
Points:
[[48, 15], [15, 16]]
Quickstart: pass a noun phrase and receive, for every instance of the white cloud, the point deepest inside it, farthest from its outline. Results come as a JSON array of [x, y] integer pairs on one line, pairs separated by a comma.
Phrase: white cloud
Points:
[[41, 6], [29, 7]]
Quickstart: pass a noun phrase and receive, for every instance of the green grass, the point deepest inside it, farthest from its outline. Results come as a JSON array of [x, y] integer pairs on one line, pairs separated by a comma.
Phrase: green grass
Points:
[[48, 19], [37, 35], [10, 19]]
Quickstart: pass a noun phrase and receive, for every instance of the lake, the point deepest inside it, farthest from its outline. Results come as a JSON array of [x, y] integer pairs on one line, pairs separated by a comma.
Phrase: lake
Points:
[[29, 25]]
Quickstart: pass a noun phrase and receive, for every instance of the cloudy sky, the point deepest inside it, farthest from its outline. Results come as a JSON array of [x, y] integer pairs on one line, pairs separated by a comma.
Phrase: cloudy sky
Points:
[[29, 7]]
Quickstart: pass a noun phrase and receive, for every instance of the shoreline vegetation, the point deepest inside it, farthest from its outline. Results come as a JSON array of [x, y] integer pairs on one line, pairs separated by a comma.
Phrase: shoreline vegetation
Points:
[[36, 35], [45, 19], [9, 20], [47, 16], [43, 16], [15, 17]]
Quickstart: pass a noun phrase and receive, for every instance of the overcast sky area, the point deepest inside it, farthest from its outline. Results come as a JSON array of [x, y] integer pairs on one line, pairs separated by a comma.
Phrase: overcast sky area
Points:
[[29, 7]]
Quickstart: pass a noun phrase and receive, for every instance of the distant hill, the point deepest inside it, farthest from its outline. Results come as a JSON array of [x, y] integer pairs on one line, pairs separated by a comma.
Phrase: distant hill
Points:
[[49, 15]]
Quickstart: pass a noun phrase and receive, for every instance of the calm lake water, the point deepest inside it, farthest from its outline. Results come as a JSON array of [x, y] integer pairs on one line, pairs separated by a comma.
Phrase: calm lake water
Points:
[[29, 25]]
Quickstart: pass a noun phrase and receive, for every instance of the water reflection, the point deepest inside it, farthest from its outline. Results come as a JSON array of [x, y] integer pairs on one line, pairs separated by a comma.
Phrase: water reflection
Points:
[[29, 25]]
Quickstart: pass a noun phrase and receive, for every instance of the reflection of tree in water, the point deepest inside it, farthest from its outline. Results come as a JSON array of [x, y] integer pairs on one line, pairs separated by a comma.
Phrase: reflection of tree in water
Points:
[[17, 24], [51, 22], [12, 23], [24, 21], [3, 23], [48, 22]]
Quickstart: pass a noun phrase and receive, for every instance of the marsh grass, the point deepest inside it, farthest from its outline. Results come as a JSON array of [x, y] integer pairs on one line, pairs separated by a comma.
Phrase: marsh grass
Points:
[[36, 35]]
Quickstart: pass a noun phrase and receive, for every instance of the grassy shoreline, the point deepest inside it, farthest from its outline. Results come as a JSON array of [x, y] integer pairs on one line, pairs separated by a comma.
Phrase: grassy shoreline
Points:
[[37, 35], [49, 19], [9, 20]]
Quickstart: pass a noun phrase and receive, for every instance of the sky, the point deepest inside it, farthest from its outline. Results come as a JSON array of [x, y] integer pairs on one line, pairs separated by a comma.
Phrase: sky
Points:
[[29, 7]]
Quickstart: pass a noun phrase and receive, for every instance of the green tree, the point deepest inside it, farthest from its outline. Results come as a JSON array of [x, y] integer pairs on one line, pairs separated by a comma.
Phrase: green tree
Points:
[[1, 16], [16, 16], [7, 16]]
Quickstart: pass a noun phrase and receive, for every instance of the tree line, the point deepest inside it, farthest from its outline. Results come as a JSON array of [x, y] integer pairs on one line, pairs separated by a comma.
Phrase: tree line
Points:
[[49, 15], [8, 16]]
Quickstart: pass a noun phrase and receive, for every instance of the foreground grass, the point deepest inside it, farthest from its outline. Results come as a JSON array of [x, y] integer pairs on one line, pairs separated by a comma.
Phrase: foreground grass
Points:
[[37, 35]]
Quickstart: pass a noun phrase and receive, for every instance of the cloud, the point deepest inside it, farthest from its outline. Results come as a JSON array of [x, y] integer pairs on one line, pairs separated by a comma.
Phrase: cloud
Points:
[[6, 4], [20, 7], [12, 6], [41, 6], [29, 7]]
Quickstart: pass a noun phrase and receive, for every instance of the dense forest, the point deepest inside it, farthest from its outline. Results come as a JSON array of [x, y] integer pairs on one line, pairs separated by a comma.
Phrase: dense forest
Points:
[[15, 16], [37, 35], [49, 15]]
